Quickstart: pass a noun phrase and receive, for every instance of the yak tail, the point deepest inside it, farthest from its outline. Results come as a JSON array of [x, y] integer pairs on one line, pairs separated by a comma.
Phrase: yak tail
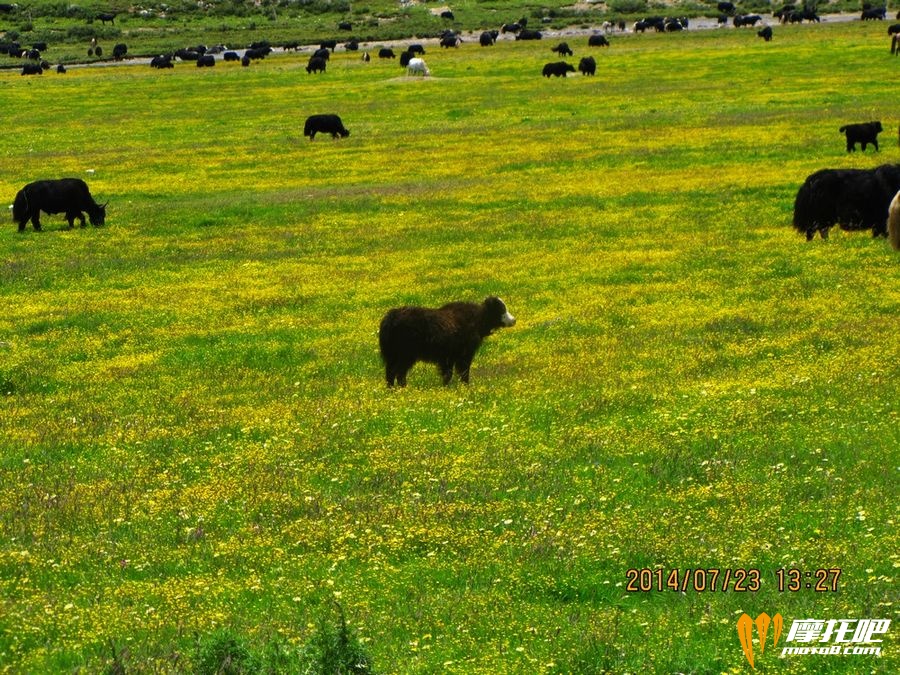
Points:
[[894, 222], [20, 208], [842, 129], [804, 207]]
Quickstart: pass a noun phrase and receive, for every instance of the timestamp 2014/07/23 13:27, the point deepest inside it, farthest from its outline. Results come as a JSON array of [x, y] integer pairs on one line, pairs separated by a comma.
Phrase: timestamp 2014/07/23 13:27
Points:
[[740, 580]]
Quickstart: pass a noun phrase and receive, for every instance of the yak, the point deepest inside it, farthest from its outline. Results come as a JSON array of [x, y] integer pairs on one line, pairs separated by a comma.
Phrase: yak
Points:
[[448, 336], [864, 133], [65, 195], [855, 199], [488, 38], [558, 69], [416, 66], [893, 224], [326, 124], [587, 66], [316, 64]]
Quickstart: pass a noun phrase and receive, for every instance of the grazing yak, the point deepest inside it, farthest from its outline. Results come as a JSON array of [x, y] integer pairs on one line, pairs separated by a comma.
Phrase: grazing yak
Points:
[[325, 124], [32, 69], [417, 66], [119, 51], [448, 336], [206, 61], [386, 53], [855, 199], [65, 195], [558, 69], [598, 41], [316, 65], [864, 133], [765, 33], [231, 56], [162, 61], [893, 225], [587, 66], [488, 38], [529, 35], [192, 54], [108, 16], [562, 49]]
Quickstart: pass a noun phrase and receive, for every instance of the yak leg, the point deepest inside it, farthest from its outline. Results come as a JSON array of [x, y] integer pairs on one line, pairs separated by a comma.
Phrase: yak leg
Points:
[[446, 371], [463, 365], [36, 220]]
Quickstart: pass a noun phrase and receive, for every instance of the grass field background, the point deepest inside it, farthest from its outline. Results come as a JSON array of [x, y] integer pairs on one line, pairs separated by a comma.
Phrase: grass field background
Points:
[[195, 434]]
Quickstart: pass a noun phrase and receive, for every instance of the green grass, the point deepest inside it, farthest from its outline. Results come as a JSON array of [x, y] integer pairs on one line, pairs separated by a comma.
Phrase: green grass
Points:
[[195, 436]]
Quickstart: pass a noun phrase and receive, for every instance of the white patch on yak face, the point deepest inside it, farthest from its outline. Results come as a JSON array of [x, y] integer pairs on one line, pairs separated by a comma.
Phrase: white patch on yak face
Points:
[[507, 319]]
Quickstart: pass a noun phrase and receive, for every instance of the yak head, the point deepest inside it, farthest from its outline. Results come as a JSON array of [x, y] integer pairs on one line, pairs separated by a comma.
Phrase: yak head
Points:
[[98, 215]]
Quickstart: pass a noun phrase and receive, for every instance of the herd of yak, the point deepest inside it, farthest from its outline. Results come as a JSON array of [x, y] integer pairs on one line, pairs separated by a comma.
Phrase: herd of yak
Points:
[[854, 199]]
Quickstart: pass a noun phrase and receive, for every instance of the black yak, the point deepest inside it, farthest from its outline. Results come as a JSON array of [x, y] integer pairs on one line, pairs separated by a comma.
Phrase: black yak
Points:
[[162, 61], [587, 66], [316, 65], [598, 41], [487, 38], [325, 124], [65, 195], [529, 35], [864, 133], [448, 336], [765, 33], [562, 49], [558, 69], [855, 199]]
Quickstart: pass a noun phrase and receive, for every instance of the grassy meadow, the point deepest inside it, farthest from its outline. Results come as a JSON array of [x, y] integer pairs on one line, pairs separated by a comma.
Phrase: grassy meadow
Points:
[[195, 434]]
